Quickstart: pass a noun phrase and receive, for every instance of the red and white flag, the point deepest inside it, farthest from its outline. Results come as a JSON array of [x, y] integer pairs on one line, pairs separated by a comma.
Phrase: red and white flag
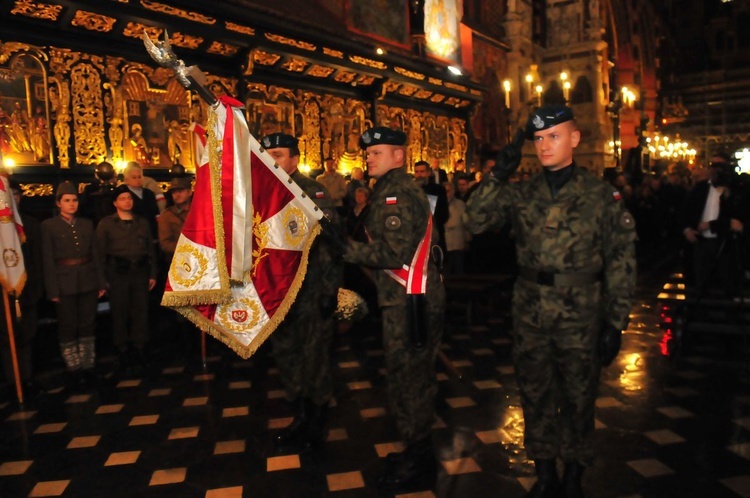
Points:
[[242, 254], [12, 269]]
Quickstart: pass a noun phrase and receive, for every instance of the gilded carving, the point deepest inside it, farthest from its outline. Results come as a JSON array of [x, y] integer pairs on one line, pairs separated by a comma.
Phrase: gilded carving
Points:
[[454, 86], [222, 49], [407, 90], [88, 118], [437, 98], [452, 101], [365, 80], [270, 110], [342, 122], [289, 41], [317, 71], [185, 41], [8, 49], [265, 58], [37, 189], [93, 21], [112, 68], [59, 97], [294, 65], [391, 87], [44, 11], [113, 113], [173, 11], [409, 74], [136, 30], [368, 62], [435, 81], [239, 28], [429, 136], [333, 53], [345, 76], [423, 94], [310, 139]]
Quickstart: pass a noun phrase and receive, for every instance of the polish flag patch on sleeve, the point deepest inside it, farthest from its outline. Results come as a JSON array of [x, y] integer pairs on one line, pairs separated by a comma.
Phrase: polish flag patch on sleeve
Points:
[[391, 200], [320, 195], [616, 195]]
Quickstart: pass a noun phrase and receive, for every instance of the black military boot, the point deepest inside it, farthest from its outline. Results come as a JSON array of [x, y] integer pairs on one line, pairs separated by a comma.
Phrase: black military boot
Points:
[[571, 481], [547, 483], [291, 433], [317, 424], [414, 469]]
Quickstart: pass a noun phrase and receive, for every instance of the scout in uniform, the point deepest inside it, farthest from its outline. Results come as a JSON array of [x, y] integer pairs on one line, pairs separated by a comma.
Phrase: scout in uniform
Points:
[[301, 345], [576, 257], [411, 298], [73, 280], [130, 268]]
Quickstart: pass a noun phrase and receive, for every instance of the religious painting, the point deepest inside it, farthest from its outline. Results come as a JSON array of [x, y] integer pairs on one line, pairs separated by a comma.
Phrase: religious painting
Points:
[[157, 128], [442, 20], [25, 137], [270, 110], [384, 19]]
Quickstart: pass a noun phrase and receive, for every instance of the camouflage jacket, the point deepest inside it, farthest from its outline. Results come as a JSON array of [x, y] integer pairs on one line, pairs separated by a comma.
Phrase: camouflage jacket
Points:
[[396, 223], [585, 229], [324, 273]]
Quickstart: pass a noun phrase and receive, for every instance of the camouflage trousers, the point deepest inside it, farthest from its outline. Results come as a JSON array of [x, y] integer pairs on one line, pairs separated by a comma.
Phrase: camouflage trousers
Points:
[[301, 347], [412, 385], [558, 375]]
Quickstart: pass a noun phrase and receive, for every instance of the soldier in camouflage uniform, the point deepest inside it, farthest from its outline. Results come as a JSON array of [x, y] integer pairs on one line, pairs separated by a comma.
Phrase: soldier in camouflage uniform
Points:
[[301, 345], [574, 241], [397, 223]]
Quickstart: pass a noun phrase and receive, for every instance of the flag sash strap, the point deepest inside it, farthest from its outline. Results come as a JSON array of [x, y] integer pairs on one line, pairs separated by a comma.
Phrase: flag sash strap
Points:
[[414, 277]]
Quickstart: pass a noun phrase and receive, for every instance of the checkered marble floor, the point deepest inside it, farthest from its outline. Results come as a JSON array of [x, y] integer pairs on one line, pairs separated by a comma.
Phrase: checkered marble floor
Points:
[[665, 428]]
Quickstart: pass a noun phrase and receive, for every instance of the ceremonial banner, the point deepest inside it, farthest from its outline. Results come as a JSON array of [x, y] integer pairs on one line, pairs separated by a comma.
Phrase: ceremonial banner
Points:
[[242, 254], [12, 269]]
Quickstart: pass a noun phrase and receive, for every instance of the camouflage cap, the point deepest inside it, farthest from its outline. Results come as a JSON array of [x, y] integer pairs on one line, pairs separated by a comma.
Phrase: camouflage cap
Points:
[[547, 117], [65, 188], [381, 135], [180, 183], [279, 140]]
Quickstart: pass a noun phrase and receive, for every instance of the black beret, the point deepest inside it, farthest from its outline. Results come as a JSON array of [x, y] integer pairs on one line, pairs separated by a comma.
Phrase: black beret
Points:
[[121, 189], [381, 135], [278, 140], [547, 117]]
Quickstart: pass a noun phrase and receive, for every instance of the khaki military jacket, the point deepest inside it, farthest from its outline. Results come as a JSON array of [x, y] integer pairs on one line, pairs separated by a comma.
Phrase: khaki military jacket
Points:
[[396, 223], [70, 257], [170, 227], [585, 229]]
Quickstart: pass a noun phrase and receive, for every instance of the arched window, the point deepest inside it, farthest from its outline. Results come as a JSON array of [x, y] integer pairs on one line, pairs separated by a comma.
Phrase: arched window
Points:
[[582, 92]]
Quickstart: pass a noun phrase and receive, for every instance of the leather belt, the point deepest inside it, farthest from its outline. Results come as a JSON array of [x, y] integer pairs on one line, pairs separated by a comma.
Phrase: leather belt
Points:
[[553, 279], [72, 261]]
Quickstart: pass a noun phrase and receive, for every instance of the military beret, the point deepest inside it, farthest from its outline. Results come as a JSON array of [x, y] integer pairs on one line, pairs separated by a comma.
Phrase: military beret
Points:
[[65, 188], [121, 189], [547, 117], [381, 135], [279, 140], [180, 183]]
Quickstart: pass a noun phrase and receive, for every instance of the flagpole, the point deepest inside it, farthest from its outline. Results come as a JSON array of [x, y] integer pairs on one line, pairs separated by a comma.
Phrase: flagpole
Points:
[[203, 350], [12, 343]]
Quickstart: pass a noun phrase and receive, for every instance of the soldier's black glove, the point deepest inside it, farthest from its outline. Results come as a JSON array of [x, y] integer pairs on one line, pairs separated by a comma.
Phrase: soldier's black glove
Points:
[[509, 157], [333, 237], [610, 340], [328, 304]]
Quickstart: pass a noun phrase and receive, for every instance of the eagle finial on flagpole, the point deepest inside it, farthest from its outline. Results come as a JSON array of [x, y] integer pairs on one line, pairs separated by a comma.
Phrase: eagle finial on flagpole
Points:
[[189, 77]]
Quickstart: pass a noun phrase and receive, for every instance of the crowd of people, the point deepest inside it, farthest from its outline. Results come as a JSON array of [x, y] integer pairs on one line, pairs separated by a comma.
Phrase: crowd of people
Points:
[[568, 236]]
